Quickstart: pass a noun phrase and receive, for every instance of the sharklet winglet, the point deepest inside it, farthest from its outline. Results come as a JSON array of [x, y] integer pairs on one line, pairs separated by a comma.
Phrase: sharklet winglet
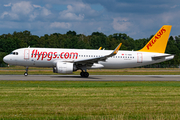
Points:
[[117, 49], [100, 48]]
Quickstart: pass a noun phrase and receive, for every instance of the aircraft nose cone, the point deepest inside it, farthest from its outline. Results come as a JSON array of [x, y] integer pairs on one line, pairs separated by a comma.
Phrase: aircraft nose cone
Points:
[[5, 59]]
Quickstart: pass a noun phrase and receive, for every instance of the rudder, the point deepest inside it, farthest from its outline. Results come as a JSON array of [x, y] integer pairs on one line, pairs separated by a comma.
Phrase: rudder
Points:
[[158, 42]]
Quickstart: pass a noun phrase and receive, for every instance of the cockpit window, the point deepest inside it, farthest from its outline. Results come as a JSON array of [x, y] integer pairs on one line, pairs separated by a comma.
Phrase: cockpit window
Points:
[[14, 53]]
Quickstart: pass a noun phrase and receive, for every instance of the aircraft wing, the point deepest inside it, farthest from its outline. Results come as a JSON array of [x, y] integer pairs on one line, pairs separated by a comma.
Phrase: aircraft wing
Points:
[[95, 60]]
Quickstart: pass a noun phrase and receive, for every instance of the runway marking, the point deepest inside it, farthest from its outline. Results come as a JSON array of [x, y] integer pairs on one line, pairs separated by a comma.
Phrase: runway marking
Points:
[[92, 77]]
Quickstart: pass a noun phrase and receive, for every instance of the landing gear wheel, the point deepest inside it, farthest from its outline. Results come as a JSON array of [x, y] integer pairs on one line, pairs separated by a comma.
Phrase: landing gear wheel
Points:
[[84, 74], [25, 74]]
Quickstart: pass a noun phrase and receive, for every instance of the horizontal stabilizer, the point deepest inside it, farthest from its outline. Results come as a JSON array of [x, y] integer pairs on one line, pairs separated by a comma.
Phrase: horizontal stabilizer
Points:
[[162, 56]]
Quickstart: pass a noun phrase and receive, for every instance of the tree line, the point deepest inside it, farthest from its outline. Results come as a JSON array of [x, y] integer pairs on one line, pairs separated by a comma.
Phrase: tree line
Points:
[[10, 42]]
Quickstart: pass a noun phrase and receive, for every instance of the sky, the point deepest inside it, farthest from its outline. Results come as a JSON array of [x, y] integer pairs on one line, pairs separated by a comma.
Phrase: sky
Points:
[[136, 18]]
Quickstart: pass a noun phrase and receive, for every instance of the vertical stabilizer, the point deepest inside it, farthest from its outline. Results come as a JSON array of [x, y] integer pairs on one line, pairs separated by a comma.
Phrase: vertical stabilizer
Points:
[[159, 41]]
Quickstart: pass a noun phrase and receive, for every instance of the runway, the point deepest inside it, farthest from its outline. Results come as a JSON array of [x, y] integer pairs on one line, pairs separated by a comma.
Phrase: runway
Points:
[[92, 78]]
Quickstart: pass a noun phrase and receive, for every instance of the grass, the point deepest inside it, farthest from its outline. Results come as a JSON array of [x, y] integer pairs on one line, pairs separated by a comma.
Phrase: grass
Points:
[[131, 71], [89, 100]]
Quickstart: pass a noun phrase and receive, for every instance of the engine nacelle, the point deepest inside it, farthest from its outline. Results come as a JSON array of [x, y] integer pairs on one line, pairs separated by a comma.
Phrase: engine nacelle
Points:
[[63, 67]]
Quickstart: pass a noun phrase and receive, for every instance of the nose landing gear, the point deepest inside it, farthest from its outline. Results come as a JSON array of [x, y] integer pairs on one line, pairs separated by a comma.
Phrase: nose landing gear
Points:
[[26, 73]]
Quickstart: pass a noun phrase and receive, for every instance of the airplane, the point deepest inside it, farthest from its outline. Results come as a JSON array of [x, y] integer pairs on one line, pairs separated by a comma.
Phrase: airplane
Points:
[[69, 60]]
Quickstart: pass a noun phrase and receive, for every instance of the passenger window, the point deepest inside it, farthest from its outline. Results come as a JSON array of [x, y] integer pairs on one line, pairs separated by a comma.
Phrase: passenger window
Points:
[[16, 53]]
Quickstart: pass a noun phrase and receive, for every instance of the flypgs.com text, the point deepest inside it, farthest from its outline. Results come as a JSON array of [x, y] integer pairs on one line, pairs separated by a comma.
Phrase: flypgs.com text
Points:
[[40, 55]]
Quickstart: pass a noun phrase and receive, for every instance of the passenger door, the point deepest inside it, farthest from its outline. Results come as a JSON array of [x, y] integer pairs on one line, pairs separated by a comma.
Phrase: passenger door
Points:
[[139, 58], [26, 54]]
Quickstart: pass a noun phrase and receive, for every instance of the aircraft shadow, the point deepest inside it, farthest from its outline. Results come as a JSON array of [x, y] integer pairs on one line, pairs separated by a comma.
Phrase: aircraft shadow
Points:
[[79, 77]]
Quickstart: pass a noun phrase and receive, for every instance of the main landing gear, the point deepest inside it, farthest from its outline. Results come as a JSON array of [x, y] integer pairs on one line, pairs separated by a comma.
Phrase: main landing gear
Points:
[[26, 73], [84, 74]]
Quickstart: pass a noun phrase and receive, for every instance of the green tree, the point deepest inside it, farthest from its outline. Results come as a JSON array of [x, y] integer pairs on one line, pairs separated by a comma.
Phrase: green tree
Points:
[[97, 40], [2, 54]]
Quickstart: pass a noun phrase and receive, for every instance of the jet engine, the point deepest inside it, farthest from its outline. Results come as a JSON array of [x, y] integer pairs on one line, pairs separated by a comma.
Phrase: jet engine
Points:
[[63, 67]]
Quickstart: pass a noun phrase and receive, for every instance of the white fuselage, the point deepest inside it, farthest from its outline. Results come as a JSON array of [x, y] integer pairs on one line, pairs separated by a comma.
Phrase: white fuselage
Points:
[[48, 57]]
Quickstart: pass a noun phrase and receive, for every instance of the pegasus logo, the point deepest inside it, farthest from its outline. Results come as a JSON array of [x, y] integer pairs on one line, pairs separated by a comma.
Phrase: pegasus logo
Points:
[[155, 38]]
